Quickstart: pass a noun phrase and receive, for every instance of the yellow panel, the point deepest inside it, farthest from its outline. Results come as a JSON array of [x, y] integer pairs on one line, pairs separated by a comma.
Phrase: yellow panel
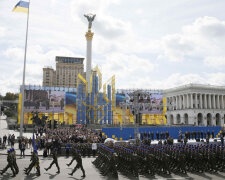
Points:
[[121, 139], [70, 119], [113, 93], [113, 136], [164, 105], [131, 118], [40, 115], [116, 138], [29, 118], [56, 116], [61, 117], [19, 107], [50, 115], [100, 77], [74, 118], [120, 118], [25, 118]]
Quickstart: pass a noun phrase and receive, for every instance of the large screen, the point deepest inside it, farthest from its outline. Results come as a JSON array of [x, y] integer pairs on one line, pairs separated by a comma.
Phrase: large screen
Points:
[[145, 102], [45, 101]]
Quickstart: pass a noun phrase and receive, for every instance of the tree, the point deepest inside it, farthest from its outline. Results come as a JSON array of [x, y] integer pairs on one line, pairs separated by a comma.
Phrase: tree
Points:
[[10, 96], [9, 113]]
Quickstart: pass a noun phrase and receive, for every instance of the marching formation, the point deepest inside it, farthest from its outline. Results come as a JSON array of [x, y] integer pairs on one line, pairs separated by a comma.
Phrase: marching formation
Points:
[[139, 158], [158, 159]]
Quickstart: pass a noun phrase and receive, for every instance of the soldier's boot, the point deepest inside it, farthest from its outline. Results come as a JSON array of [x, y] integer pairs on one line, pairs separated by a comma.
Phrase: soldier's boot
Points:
[[58, 171], [68, 164], [38, 173], [1, 172], [46, 169], [28, 171], [70, 174]]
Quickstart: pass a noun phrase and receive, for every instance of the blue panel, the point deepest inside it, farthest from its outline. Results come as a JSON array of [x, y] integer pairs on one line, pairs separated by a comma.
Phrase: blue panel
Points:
[[109, 105], [79, 104], [125, 133]]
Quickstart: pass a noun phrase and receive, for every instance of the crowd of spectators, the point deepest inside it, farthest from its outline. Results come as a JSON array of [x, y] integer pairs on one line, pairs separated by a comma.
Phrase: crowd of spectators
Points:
[[66, 138]]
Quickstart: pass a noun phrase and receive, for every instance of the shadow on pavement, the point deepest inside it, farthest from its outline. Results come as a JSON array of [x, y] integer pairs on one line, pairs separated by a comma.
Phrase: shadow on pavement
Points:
[[30, 176], [71, 177], [52, 176], [6, 176]]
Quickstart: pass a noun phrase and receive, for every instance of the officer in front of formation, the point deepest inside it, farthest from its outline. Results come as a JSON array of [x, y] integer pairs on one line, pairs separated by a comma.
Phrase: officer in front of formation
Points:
[[78, 158], [34, 163], [10, 164], [55, 161]]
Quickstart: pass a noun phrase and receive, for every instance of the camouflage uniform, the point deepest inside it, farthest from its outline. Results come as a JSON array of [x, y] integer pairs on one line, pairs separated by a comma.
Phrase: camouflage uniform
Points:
[[34, 163], [10, 164]]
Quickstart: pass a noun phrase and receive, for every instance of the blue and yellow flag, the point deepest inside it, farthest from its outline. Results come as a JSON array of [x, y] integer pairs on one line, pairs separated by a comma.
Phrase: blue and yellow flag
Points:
[[21, 6]]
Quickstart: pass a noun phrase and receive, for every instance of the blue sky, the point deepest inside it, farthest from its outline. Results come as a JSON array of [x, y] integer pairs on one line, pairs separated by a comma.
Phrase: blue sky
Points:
[[147, 44]]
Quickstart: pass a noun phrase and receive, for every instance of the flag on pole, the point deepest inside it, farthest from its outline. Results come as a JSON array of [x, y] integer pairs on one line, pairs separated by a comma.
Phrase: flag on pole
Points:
[[21, 6], [34, 144]]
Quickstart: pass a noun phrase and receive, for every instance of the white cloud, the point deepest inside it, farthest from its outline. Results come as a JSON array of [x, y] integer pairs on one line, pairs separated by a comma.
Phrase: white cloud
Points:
[[2, 31], [14, 53], [139, 11], [215, 61], [121, 44], [178, 79], [204, 38]]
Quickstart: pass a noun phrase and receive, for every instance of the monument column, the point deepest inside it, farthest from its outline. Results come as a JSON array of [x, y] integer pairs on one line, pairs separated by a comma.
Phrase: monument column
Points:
[[89, 36]]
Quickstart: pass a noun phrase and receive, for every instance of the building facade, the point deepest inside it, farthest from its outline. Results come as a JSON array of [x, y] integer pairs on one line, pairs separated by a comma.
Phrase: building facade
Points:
[[196, 104], [65, 75]]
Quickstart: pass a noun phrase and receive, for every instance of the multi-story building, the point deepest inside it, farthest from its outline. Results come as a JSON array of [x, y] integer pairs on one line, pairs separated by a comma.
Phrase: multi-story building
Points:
[[65, 75], [196, 104]]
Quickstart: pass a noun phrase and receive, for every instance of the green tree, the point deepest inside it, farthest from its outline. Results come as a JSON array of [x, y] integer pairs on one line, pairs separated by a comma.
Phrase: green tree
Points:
[[10, 96], [9, 113]]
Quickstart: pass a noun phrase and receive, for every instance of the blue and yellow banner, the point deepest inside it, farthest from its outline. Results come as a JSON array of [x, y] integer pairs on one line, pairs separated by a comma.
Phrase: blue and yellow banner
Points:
[[21, 6]]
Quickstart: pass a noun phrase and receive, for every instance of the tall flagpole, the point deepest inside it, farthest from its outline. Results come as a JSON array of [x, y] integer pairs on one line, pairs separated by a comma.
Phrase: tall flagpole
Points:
[[24, 71]]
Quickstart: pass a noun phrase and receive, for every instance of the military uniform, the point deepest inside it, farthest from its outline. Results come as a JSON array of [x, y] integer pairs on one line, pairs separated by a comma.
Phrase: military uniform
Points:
[[15, 166], [55, 161], [74, 157], [34, 163], [78, 158], [10, 164]]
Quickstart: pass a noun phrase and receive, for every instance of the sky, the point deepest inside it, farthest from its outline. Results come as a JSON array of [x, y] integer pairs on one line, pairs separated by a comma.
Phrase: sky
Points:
[[149, 44]]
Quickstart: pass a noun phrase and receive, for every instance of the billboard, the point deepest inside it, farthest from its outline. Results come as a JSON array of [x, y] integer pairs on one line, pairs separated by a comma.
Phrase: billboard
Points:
[[45, 101], [147, 102]]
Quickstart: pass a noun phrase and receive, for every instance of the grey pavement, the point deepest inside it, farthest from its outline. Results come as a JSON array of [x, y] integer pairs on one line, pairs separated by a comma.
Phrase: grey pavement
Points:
[[91, 172]]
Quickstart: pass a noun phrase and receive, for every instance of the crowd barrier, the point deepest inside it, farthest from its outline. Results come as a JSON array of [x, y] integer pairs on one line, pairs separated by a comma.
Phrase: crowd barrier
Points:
[[126, 133]]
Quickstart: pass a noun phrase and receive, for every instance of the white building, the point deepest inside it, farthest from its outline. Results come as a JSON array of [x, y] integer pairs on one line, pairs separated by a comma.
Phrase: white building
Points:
[[196, 104]]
